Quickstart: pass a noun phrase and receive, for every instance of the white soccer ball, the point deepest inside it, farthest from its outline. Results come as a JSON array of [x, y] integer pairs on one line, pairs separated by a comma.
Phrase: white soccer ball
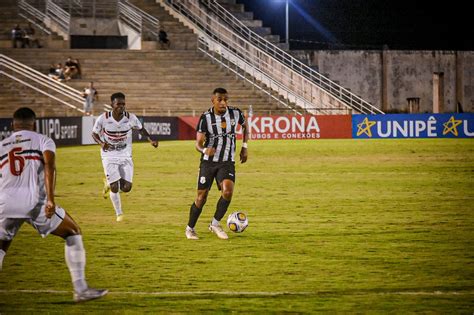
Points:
[[237, 221]]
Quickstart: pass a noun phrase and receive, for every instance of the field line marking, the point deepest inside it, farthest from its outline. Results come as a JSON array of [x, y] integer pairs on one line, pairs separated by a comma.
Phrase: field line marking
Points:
[[256, 293]]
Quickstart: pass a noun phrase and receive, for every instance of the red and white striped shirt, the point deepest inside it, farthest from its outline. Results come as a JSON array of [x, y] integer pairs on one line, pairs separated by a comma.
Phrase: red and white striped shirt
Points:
[[22, 172]]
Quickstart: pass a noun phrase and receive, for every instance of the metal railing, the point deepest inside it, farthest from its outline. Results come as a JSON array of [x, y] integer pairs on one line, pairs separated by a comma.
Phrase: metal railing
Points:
[[58, 15], [291, 72], [138, 20], [41, 83], [32, 14], [266, 71]]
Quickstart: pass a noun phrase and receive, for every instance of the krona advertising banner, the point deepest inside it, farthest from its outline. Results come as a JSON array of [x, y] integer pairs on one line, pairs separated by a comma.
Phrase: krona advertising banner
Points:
[[413, 126], [299, 127]]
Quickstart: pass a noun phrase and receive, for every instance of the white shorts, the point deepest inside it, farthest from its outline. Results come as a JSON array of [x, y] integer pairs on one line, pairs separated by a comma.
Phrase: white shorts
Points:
[[117, 168], [10, 226]]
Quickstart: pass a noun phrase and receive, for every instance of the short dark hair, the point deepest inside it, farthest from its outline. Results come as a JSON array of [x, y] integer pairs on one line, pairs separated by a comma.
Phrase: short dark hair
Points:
[[24, 114], [117, 95], [220, 91]]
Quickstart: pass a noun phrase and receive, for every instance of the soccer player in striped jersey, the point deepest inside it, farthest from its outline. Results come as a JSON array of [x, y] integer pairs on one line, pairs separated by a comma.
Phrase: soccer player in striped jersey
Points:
[[113, 132], [27, 182], [216, 141]]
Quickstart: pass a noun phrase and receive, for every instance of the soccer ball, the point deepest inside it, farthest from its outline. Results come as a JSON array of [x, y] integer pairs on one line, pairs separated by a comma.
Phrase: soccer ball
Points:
[[237, 222]]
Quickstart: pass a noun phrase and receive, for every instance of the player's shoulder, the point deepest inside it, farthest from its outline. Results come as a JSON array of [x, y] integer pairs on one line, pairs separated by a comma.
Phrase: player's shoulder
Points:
[[129, 115], [105, 115]]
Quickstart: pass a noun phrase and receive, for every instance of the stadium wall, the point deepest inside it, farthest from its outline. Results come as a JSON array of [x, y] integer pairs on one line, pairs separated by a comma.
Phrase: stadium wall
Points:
[[77, 130], [387, 78]]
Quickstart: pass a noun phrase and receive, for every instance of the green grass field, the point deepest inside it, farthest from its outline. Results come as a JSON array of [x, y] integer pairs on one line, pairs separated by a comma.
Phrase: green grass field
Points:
[[335, 225]]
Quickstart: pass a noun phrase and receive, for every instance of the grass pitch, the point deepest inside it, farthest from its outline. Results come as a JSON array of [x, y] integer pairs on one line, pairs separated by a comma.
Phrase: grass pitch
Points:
[[335, 225]]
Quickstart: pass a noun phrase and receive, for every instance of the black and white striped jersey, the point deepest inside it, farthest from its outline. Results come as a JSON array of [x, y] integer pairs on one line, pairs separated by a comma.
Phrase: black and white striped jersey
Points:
[[220, 133]]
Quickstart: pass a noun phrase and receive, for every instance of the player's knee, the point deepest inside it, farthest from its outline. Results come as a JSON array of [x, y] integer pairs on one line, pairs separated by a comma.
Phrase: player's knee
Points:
[[114, 187], [227, 194], [201, 200], [126, 187]]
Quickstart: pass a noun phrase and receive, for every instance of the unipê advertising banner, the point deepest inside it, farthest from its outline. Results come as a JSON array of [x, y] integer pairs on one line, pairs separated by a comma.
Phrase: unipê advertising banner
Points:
[[413, 126]]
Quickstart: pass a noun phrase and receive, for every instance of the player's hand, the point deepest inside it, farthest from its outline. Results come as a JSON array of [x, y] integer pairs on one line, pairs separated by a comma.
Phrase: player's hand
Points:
[[209, 151], [49, 209], [243, 155], [154, 143], [105, 146]]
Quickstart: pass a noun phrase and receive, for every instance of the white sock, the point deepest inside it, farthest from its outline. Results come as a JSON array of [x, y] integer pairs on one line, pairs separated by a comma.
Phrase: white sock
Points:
[[2, 255], [76, 261], [214, 222], [116, 202], [189, 228]]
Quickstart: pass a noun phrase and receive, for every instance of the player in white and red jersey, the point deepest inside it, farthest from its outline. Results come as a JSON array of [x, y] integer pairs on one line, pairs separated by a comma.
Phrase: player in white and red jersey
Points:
[[27, 182], [113, 132]]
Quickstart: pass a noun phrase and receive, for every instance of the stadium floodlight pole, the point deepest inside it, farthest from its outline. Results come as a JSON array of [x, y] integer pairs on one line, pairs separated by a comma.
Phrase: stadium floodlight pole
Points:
[[287, 40]]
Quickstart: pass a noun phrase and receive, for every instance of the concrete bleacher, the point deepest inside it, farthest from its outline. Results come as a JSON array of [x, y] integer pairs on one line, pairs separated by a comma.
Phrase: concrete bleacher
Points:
[[176, 81], [9, 17], [162, 82]]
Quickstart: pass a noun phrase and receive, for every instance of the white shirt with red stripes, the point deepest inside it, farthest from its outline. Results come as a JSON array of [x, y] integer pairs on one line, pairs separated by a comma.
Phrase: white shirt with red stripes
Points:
[[118, 134], [22, 173]]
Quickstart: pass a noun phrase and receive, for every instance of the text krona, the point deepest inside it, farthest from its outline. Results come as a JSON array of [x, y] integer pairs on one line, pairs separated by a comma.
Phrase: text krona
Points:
[[283, 124]]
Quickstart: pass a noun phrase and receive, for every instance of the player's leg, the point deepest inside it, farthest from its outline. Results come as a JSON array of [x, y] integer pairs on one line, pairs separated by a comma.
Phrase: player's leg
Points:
[[75, 254], [195, 212], [225, 178], [126, 175], [205, 178], [227, 190], [125, 185], [8, 229], [112, 173], [115, 199]]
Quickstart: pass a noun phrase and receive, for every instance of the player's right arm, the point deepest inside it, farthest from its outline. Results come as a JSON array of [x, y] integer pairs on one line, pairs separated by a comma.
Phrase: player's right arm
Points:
[[104, 145], [49, 181], [95, 133], [201, 131], [200, 139]]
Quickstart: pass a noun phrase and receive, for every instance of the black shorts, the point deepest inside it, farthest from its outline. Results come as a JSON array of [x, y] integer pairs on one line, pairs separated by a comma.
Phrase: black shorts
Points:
[[208, 171]]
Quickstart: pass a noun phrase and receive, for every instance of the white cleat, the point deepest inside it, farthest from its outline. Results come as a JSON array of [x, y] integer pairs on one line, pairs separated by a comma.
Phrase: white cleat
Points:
[[120, 218], [89, 294], [219, 231], [191, 234]]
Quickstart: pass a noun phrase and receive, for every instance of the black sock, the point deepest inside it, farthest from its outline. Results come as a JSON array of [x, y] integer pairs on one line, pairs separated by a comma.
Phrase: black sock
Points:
[[194, 213], [221, 209]]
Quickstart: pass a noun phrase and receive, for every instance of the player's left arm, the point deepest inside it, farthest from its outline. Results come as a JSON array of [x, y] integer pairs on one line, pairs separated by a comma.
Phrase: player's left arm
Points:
[[145, 134], [245, 139], [49, 181]]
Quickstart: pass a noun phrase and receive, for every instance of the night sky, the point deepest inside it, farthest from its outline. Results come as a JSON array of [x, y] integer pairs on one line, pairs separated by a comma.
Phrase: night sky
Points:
[[369, 24]]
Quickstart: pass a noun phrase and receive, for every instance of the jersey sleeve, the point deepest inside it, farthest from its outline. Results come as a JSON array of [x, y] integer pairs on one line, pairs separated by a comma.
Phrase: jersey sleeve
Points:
[[202, 124], [98, 124], [135, 122], [47, 144]]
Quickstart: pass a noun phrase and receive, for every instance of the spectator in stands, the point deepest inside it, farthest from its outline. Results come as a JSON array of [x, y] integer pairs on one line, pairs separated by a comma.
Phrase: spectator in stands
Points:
[[17, 36], [52, 71], [90, 95], [59, 72], [71, 68], [29, 37], [163, 39]]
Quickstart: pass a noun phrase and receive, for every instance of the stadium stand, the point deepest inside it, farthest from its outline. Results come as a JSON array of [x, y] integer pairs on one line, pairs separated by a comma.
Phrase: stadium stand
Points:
[[157, 82]]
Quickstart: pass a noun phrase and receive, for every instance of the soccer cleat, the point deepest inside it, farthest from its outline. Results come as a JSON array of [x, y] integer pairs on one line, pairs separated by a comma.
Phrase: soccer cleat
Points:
[[191, 234], [106, 189], [89, 294], [219, 231], [120, 218]]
